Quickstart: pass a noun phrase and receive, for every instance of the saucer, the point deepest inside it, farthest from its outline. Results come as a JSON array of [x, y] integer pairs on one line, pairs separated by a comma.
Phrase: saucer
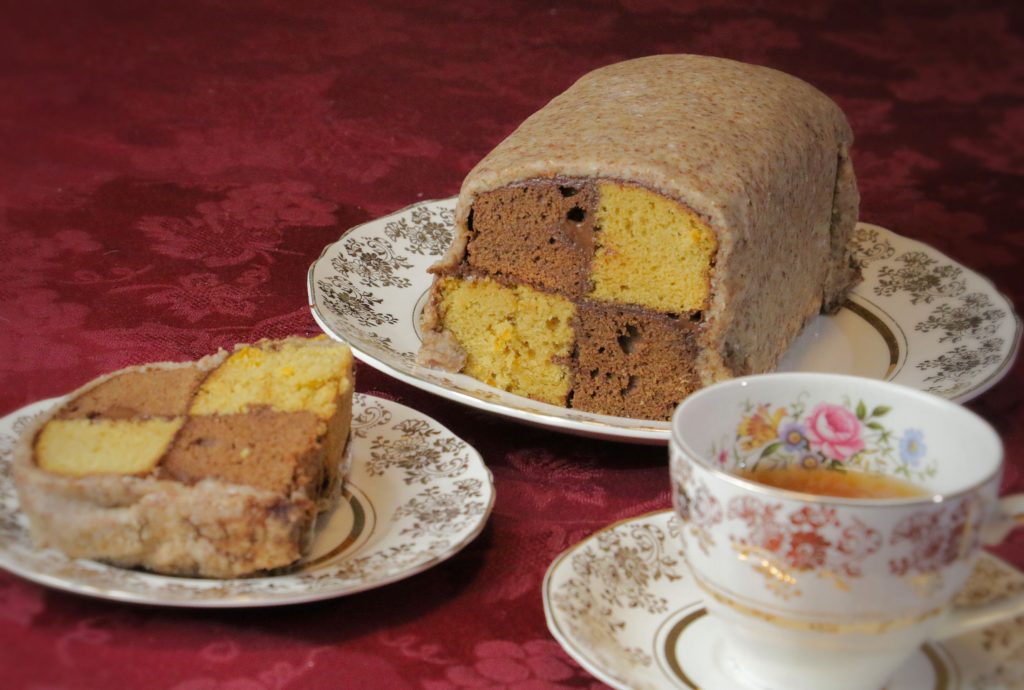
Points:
[[918, 318], [416, 495], [622, 604]]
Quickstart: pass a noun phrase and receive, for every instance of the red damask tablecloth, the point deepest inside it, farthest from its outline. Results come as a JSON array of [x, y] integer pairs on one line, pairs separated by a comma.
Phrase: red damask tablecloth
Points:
[[168, 171]]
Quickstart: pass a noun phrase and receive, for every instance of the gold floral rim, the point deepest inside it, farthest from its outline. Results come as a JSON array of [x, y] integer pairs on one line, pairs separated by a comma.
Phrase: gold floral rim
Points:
[[416, 495], [615, 602], [943, 328], [873, 626], [681, 622]]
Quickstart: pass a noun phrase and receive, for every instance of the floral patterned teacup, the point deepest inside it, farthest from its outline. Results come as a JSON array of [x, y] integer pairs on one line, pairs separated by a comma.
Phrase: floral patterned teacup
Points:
[[832, 593]]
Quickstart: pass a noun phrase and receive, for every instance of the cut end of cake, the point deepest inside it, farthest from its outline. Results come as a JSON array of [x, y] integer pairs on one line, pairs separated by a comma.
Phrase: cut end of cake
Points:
[[578, 293], [598, 295]]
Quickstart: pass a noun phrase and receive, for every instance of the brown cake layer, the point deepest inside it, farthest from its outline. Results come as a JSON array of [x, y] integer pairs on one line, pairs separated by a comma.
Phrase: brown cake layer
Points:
[[539, 232], [151, 393], [276, 451], [632, 363]]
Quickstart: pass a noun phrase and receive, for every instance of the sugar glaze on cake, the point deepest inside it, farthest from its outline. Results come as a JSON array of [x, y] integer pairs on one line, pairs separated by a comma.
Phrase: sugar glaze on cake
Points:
[[665, 223], [215, 468]]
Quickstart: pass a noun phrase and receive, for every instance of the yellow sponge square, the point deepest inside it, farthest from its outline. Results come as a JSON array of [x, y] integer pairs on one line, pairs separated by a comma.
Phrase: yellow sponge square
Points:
[[80, 447]]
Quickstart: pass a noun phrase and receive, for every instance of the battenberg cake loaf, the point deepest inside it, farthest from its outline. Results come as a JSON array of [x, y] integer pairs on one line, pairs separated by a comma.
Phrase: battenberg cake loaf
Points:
[[214, 468], [665, 223]]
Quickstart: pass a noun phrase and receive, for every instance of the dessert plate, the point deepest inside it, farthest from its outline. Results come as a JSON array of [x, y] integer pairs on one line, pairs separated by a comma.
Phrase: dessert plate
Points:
[[415, 496], [622, 604], [918, 318]]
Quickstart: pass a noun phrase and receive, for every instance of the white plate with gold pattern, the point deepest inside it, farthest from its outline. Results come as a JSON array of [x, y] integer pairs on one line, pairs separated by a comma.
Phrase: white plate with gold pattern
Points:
[[622, 604], [415, 496], [918, 318]]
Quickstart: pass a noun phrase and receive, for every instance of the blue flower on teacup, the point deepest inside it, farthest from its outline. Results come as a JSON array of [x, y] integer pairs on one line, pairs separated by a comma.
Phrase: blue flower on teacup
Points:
[[793, 437], [912, 447]]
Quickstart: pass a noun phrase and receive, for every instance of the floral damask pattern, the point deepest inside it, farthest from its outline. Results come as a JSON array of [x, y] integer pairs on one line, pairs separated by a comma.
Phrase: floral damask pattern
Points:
[[117, 117], [539, 664], [245, 225], [197, 296]]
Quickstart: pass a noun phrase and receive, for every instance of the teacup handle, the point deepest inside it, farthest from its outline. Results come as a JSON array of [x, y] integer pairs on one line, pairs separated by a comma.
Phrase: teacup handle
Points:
[[965, 619]]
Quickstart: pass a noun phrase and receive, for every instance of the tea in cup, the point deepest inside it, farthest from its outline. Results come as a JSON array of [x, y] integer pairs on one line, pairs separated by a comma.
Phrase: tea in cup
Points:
[[831, 520]]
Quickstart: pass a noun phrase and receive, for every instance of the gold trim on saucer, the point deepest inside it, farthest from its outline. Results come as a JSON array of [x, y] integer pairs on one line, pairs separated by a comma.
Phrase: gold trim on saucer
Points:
[[940, 668], [358, 525], [891, 343], [870, 627]]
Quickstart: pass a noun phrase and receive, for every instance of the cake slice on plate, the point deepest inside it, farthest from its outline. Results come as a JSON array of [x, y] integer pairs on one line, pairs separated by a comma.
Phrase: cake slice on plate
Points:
[[215, 468]]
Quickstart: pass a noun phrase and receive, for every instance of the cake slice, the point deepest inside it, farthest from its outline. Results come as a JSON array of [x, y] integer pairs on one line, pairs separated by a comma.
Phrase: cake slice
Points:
[[665, 223], [215, 468]]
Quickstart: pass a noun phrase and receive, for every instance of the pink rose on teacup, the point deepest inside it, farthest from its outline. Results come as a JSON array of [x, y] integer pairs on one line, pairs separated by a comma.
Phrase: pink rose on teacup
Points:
[[834, 431]]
